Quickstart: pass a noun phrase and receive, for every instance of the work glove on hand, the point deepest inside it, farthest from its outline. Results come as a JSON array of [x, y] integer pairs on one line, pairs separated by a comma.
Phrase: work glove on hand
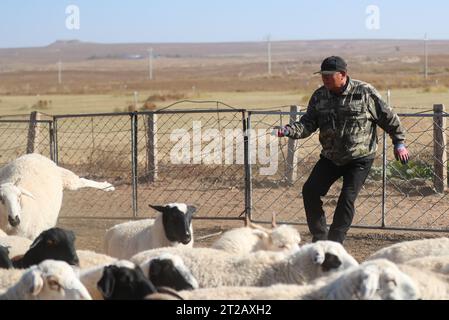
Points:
[[283, 131], [401, 153]]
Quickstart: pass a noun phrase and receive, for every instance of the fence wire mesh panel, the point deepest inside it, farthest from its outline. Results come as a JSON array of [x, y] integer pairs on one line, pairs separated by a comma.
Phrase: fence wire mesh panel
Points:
[[281, 166], [17, 139], [199, 157], [413, 196], [194, 157], [97, 147]]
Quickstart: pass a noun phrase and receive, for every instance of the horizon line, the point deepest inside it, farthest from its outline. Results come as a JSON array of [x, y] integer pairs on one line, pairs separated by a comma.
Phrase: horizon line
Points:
[[225, 42]]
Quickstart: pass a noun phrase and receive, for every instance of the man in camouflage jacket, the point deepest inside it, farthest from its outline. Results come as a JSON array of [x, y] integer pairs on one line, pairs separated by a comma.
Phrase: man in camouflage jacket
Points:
[[347, 112]]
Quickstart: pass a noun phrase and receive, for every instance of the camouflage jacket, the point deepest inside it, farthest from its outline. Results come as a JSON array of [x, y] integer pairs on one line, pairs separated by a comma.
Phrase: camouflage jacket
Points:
[[347, 122]]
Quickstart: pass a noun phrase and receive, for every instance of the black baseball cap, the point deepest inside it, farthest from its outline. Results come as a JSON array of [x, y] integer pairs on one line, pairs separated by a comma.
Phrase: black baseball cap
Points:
[[332, 64]]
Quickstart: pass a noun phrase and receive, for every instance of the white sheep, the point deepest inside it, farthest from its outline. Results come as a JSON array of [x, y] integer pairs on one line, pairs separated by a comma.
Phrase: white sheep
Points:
[[3, 233], [432, 285], [437, 264], [172, 227], [254, 237], [213, 268], [49, 280], [373, 280], [17, 245], [403, 251], [31, 190], [89, 259]]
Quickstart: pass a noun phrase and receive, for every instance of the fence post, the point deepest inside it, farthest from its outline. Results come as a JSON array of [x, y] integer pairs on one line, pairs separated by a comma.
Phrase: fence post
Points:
[[134, 161], [52, 141], [439, 148], [33, 132], [292, 155], [55, 140], [246, 121], [152, 167]]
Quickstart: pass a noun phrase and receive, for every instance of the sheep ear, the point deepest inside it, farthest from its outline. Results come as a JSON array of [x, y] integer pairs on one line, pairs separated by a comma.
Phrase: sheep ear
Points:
[[36, 241], [158, 208], [191, 210], [369, 284], [154, 269], [273, 220], [26, 193], [318, 255], [107, 283], [36, 283], [331, 261], [261, 234], [2, 194]]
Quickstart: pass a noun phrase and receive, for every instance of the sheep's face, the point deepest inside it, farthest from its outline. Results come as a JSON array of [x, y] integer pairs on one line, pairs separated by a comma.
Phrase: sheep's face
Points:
[[285, 237], [54, 243], [177, 221], [122, 283], [11, 198], [373, 280], [54, 280], [170, 271], [382, 280]]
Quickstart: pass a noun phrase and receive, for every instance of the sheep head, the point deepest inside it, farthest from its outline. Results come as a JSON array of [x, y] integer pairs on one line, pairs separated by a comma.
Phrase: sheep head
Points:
[[11, 198], [51, 280], [177, 221], [373, 280]]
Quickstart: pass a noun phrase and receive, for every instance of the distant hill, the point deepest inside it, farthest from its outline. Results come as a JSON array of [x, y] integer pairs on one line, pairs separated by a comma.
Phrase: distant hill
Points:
[[75, 50]]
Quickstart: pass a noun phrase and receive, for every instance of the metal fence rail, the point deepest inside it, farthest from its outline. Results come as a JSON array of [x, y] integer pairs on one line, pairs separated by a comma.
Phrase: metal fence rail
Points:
[[227, 163]]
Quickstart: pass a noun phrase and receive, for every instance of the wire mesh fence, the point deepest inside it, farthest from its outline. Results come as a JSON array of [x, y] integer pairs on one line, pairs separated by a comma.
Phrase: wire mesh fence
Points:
[[15, 137], [281, 192], [207, 158], [406, 197], [182, 158], [96, 147], [139, 153]]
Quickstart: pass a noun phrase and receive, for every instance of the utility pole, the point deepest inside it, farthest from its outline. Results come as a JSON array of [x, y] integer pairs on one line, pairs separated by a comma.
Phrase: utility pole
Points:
[[269, 54], [426, 59], [150, 64], [59, 72], [136, 100]]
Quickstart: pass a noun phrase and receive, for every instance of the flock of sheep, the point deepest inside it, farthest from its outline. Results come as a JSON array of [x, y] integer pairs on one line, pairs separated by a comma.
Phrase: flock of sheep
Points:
[[155, 258]]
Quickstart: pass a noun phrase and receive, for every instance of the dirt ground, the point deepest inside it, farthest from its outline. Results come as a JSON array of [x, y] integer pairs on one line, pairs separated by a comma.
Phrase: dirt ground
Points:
[[360, 242]]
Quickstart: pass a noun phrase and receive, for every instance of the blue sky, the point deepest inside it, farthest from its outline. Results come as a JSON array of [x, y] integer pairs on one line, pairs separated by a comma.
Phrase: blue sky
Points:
[[26, 23]]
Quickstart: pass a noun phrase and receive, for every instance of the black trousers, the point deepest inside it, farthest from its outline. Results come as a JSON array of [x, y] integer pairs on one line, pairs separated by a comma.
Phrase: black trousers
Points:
[[323, 175]]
